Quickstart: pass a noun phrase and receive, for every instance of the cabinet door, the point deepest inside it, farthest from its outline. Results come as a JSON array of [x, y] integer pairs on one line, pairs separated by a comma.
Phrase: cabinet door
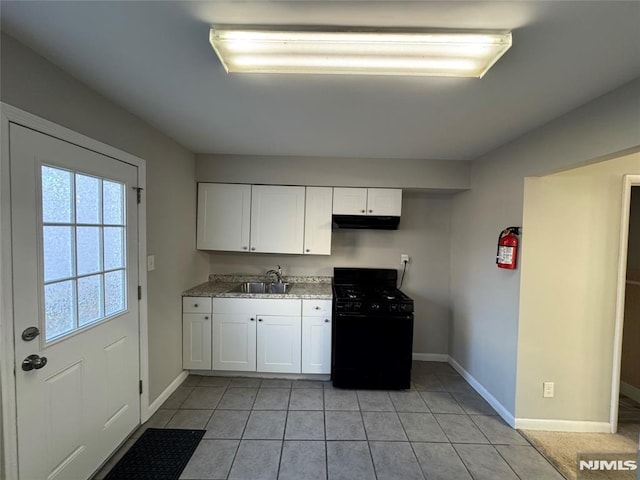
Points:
[[234, 342], [196, 341], [349, 201], [278, 344], [316, 344], [317, 221], [224, 212], [384, 201], [277, 219]]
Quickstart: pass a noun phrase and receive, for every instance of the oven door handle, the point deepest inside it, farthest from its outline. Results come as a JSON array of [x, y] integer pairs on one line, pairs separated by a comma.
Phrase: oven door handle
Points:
[[372, 315]]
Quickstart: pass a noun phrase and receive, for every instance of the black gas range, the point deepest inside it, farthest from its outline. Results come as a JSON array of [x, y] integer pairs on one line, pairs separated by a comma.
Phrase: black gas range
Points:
[[372, 332]]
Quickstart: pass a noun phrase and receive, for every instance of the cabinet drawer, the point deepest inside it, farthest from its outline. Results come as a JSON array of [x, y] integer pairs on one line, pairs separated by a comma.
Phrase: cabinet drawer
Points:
[[196, 304], [316, 307]]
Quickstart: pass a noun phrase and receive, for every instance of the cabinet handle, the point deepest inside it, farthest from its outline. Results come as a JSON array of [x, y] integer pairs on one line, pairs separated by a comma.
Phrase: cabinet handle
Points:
[[370, 211], [206, 318], [252, 319], [253, 249], [317, 308], [195, 305], [245, 248], [363, 211], [307, 250], [326, 320], [259, 319]]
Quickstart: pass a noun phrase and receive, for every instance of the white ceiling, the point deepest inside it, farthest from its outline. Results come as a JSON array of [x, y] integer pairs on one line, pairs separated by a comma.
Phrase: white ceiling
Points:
[[154, 59]]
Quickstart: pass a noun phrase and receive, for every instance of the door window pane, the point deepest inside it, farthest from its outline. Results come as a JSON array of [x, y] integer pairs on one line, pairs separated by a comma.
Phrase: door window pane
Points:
[[113, 247], [89, 251], [114, 292], [88, 199], [113, 203], [83, 254], [59, 307], [57, 195], [90, 299], [58, 253]]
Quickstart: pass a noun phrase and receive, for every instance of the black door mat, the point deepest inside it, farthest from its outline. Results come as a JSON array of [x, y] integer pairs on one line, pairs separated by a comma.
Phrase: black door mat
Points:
[[159, 454]]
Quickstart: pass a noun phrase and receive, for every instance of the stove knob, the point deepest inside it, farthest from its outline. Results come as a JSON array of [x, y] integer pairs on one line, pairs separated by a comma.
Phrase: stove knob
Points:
[[375, 306], [393, 307]]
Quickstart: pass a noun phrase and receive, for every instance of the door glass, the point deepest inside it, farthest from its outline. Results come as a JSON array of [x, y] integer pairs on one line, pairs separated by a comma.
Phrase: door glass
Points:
[[83, 254]]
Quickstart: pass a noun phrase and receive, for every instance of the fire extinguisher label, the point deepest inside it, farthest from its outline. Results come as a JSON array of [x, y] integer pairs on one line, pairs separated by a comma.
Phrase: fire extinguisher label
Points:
[[505, 254]]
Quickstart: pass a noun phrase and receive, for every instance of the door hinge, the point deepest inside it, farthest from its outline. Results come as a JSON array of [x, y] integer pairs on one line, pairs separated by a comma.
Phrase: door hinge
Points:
[[139, 292], [140, 385], [138, 193]]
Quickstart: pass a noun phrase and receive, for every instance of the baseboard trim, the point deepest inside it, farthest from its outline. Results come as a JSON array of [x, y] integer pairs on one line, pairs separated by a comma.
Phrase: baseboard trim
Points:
[[157, 403], [484, 393], [630, 391], [562, 425], [430, 357]]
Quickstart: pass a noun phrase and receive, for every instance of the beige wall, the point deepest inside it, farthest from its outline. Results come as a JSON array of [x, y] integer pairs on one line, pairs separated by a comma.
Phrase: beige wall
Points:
[[568, 290], [423, 235], [433, 175], [33, 84], [485, 300]]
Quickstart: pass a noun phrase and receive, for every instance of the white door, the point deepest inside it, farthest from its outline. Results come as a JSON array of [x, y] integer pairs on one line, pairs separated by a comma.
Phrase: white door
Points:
[[234, 339], [277, 219], [349, 201], [384, 201], [317, 221], [224, 212], [316, 344], [196, 341], [75, 277], [278, 346]]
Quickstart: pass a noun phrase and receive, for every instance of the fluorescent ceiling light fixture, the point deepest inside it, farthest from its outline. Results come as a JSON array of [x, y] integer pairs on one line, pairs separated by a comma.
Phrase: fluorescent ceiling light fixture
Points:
[[466, 53]]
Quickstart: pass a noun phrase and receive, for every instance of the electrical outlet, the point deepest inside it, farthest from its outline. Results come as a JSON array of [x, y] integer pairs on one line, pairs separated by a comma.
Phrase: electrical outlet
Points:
[[151, 263], [404, 258], [547, 389]]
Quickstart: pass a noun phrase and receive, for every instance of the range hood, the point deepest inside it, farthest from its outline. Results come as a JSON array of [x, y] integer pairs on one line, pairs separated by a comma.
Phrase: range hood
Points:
[[371, 222]]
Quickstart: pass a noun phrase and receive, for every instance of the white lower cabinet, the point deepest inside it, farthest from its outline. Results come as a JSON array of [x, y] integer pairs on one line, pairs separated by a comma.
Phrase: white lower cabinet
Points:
[[196, 333], [256, 335], [316, 336], [278, 348], [234, 342]]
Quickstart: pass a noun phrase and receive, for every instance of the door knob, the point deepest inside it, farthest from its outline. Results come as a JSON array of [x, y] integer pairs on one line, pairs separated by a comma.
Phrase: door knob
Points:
[[33, 362]]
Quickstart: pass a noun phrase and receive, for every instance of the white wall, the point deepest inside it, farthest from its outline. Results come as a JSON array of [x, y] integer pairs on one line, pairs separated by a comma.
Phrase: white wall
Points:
[[33, 84], [485, 299], [568, 291], [433, 175]]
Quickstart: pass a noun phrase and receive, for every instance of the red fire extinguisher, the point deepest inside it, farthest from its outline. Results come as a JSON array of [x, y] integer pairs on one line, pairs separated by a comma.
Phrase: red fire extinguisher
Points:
[[507, 248]]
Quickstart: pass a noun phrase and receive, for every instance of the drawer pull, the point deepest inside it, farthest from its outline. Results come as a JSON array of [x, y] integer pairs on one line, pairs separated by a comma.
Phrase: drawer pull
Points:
[[259, 319], [206, 318], [252, 319], [326, 320], [317, 308], [195, 305]]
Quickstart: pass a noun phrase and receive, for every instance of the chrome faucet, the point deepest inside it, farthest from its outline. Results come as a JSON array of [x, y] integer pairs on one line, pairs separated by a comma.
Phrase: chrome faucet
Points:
[[277, 273]]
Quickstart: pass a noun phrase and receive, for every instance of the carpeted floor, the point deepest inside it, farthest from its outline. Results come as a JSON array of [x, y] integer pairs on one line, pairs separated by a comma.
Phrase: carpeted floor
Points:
[[562, 448]]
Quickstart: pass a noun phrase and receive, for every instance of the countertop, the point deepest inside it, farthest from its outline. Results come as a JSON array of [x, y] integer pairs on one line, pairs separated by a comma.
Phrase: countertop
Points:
[[220, 286]]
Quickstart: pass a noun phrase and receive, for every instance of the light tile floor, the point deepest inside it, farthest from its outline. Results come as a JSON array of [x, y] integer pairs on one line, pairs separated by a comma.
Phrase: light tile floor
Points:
[[441, 429]]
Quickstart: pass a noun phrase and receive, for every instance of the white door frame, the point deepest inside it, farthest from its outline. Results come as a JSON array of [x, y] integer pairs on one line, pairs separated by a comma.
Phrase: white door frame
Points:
[[10, 114], [628, 182]]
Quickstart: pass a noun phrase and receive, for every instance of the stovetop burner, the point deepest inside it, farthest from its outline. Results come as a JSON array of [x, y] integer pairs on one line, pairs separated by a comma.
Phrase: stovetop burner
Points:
[[369, 291]]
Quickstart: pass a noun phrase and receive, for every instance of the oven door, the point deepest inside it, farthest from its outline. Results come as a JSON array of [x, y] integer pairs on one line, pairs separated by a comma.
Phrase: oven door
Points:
[[372, 351]]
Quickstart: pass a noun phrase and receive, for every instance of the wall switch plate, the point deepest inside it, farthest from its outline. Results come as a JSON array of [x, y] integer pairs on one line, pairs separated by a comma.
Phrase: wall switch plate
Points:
[[547, 389], [151, 263], [404, 258]]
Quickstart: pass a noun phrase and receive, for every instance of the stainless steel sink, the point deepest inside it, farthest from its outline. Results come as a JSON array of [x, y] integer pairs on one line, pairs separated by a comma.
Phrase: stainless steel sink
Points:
[[262, 287]]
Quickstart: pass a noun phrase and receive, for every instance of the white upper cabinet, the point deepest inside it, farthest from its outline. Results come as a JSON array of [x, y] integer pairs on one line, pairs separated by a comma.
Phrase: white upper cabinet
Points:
[[384, 201], [317, 221], [277, 219], [224, 212], [349, 201], [367, 201]]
